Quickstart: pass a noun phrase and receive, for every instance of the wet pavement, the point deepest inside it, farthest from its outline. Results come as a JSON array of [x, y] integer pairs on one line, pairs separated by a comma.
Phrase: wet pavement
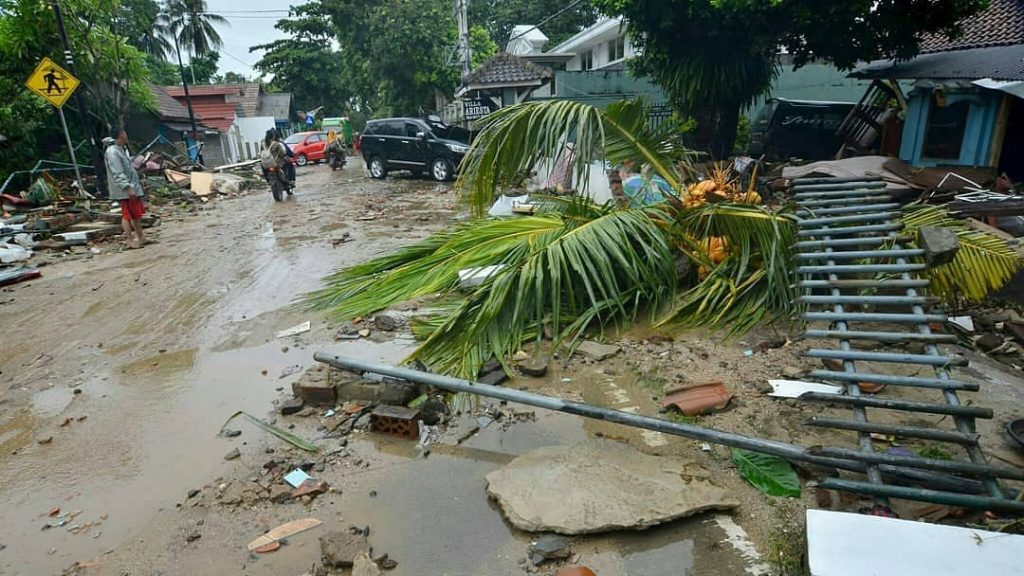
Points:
[[131, 362]]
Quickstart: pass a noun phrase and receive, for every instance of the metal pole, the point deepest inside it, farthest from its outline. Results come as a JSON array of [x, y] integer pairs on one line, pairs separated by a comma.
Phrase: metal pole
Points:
[[71, 150], [69, 60]]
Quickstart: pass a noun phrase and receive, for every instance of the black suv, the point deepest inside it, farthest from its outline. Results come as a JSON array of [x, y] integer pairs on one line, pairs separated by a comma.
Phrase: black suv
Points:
[[413, 144]]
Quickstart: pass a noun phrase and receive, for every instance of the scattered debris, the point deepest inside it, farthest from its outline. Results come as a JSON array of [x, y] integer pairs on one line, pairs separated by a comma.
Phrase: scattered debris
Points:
[[18, 274], [283, 531], [297, 477], [363, 565], [283, 435], [295, 330], [473, 277], [290, 371], [795, 388], [230, 433], [45, 440], [596, 350], [339, 549], [385, 322], [386, 562], [548, 547], [698, 399], [989, 342], [628, 490], [940, 245], [233, 454], [536, 368], [291, 406], [192, 493], [396, 421], [576, 571]]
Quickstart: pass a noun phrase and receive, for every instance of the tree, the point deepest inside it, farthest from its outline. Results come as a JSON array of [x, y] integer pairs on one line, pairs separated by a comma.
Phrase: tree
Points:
[[306, 64], [714, 57], [203, 69], [230, 77], [500, 16], [141, 23], [193, 26]]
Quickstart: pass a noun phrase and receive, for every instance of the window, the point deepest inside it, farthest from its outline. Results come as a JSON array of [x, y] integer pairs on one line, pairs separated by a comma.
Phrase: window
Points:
[[392, 128], [587, 60], [944, 133], [411, 129], [617, 49], [293, 139]]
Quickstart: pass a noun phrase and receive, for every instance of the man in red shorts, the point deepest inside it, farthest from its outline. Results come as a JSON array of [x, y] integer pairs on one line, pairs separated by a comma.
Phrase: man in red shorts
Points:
[[123, 183]]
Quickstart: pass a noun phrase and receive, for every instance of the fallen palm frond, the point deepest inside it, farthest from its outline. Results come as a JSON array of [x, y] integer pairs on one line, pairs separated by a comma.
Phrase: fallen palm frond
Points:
[[983, 264], [288, 437], [515, 139], [750, 283], [601, 271]]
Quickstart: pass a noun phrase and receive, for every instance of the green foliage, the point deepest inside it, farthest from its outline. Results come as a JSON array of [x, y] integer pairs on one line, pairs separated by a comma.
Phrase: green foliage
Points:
[[579, 268], [513, 139], [739, 145], [752, 285], [500, 16], [713, 57], [203, 69], [305, 64], [983, 264], [769, 474], [191, 24], [162, 72]]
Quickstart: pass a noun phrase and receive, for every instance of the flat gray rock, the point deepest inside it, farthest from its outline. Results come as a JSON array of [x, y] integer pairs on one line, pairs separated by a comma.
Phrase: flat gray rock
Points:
[[596, 350], [599, 486]]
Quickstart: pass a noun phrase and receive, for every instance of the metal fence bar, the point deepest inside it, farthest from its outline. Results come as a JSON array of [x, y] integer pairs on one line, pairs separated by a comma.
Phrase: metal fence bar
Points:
[[894, 357], [850, 219], [889, 379], [919, 283], [951, 466], [849, 230], [859, 254], [936, 496], [892, 337], [893, 430], [875, 317], [905, 405], [868, 300], [845, 209]]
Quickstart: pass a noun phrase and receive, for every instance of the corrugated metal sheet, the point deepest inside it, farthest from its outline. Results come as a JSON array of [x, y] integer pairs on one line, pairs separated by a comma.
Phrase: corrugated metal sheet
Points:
[[996, 62]]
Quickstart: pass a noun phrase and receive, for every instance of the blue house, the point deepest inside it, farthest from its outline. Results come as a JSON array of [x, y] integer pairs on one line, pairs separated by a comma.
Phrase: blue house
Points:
[[966, 104]]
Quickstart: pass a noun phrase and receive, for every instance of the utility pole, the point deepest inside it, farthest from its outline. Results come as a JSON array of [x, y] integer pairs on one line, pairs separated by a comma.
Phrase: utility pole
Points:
[[188, 103], [462, 17], [69, 59]]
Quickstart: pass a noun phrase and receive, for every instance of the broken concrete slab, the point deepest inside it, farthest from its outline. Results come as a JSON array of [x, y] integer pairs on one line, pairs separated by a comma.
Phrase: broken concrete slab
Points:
[[597, 350], [291, 406], [363, 565], [375, 389], [340, 549], [535, 367], [939, 244], [599, 486]]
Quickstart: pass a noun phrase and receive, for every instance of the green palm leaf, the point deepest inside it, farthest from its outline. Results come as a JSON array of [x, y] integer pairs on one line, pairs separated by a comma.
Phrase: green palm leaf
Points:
[[515, 139], [983, 264], [753, 284]]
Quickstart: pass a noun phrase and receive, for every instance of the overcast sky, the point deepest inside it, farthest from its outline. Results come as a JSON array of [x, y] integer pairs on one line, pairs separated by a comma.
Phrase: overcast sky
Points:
[[251, 24]]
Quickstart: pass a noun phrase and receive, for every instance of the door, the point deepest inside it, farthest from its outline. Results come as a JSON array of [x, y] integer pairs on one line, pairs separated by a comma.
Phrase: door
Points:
[[415, 144], [317, 143]]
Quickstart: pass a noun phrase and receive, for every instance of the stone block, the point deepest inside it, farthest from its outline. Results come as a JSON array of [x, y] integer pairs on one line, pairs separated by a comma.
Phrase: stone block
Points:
[[940, 245], [376, 390], [316, 392]]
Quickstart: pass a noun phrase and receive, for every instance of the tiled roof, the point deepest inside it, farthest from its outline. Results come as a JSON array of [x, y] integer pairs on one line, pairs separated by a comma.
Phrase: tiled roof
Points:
[[995, 62], [245, 96], [1001, 24], [506, 69], [167, 108]]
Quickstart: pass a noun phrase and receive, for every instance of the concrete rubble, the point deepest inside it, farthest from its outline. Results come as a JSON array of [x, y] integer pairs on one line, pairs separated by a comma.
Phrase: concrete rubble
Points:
[[600, 486]]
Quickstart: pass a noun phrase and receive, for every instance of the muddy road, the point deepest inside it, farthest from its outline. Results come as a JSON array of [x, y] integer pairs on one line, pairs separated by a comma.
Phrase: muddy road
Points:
[[127, 363]]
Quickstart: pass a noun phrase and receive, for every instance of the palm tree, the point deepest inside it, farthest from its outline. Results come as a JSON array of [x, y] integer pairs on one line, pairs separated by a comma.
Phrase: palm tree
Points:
[[576, 266], [192, 26]]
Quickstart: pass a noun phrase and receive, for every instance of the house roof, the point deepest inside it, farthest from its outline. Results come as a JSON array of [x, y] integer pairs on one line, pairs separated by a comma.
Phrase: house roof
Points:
[[277, 105], [1001, 24], [506, 69], [995, 62], [167, 108], [245, 97]]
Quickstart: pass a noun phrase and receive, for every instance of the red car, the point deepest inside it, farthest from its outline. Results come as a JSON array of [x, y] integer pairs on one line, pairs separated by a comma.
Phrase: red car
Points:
[[307, 146]]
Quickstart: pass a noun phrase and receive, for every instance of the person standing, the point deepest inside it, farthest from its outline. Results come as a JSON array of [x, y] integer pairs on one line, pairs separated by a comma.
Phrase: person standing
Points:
[[124, 186]]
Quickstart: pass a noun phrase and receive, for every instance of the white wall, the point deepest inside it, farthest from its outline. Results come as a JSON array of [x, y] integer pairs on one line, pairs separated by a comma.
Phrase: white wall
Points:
[[250, 134]]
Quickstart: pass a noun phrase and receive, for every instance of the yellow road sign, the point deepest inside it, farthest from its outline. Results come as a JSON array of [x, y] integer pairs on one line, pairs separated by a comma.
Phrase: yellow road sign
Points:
[[52, 82]]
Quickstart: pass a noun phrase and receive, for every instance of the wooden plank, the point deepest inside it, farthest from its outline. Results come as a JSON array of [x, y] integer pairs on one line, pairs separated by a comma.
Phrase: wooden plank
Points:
[[236, 165], [202, 183], [284, 531]]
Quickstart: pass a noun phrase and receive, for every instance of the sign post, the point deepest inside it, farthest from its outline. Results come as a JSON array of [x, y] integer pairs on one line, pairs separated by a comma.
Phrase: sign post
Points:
[[56, 85]]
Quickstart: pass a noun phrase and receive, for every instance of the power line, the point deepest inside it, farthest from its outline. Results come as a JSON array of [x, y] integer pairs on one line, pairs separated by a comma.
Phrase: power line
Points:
[[546, 20]]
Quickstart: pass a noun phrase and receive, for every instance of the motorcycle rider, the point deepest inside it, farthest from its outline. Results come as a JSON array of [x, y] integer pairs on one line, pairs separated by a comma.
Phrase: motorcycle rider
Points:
[[335, 148], [275, 155], [289, 166]]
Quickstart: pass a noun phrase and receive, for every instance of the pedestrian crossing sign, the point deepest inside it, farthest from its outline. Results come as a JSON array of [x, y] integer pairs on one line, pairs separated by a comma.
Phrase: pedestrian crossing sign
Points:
[[52, 82]]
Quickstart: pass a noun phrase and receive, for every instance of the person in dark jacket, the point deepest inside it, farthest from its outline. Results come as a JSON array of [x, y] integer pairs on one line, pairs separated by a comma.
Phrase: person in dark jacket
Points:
[[124, 186]]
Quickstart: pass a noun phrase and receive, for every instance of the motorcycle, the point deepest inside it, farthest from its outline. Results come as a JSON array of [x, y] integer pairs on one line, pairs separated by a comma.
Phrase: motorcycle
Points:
[[336, 158], [278, 181]]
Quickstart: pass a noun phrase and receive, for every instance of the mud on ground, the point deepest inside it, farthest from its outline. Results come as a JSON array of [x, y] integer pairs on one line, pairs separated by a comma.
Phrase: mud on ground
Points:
[[131, 361]]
